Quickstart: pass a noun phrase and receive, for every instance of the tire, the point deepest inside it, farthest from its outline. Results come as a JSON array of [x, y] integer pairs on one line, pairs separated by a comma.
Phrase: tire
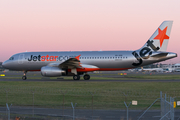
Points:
[[76, 77], [24, 77], [86, 77]]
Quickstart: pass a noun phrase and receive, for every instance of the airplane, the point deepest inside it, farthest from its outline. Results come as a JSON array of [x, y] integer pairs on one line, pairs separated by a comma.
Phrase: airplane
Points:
[[76, 63], [151, 69]]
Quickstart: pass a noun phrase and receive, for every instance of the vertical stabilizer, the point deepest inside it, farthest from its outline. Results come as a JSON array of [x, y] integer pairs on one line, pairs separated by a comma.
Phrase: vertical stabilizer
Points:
[[159, 40]]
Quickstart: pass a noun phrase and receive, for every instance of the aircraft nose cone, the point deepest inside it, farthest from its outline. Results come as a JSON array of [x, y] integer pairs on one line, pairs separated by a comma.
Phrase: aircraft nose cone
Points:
[[4, 64]]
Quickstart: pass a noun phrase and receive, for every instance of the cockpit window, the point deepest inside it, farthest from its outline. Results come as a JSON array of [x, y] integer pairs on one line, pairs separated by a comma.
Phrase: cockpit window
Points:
[[11, 58]]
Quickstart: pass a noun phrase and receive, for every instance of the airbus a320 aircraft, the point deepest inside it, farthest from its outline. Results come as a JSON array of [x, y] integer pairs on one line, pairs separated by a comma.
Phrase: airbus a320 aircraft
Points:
[[52, 64]]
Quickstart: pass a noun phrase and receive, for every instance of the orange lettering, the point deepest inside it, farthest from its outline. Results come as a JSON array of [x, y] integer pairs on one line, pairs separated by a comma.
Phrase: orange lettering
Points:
[[51, 58], [47, 57], [56, 58], [43, 58]]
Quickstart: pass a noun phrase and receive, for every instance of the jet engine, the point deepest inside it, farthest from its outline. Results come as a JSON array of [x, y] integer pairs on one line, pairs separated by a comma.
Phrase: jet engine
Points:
[[49, 71]]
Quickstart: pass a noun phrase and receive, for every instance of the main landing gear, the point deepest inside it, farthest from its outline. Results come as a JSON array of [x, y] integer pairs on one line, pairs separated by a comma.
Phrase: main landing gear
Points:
[[86, 77], [24, 76], [77, 77]]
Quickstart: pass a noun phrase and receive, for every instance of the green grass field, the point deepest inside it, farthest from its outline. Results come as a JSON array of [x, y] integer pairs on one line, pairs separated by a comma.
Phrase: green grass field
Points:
[[107, 95]]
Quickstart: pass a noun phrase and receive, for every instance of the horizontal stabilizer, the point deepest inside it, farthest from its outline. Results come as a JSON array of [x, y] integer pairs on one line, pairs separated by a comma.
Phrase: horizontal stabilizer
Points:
[[160, 55]]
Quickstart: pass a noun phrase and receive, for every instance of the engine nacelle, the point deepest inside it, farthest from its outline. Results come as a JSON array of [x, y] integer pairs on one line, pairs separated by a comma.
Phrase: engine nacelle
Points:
[[48, 71]]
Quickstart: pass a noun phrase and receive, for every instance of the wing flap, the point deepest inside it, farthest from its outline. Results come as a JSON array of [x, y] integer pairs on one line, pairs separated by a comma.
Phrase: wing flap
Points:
[[70, 64]]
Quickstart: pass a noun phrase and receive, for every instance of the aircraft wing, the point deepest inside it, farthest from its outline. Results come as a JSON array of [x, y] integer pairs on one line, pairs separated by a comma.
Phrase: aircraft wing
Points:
[[73, 63], [70, 64]]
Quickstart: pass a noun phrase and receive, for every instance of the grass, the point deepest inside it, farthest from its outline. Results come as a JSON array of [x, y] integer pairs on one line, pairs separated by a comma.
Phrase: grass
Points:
[[106, 95]]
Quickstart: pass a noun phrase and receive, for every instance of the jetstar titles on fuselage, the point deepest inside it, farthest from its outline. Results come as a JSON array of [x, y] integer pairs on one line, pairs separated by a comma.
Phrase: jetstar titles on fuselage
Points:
[[48, 58]]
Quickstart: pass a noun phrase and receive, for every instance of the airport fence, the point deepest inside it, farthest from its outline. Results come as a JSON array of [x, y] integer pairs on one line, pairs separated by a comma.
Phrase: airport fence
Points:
[[90, 104]]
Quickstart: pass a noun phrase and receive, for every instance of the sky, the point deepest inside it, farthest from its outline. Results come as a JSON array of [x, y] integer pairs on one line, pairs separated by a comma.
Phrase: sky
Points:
[[84, 25]]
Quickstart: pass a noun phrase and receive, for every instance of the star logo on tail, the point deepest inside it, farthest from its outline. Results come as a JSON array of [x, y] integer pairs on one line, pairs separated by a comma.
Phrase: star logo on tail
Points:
[[162, 35]]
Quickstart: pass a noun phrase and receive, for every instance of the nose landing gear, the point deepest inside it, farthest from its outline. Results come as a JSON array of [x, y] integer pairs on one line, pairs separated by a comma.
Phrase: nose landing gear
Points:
[[24, 76]]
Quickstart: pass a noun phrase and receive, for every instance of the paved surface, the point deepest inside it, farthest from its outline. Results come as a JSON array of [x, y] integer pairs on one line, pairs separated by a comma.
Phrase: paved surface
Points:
[[32, 76], [88, 114], [70, 80]]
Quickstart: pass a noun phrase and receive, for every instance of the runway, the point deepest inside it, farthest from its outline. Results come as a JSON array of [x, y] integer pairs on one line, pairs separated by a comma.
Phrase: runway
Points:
[[86, 113], [70, 80], [100, 77]]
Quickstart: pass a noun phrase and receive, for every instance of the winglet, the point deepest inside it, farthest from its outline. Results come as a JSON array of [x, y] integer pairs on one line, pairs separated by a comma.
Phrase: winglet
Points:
[[77, 57]]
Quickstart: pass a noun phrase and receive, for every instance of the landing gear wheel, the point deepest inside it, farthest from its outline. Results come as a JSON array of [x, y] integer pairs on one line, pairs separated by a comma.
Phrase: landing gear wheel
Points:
[[86, 77], [76, 77], [24, 77]]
